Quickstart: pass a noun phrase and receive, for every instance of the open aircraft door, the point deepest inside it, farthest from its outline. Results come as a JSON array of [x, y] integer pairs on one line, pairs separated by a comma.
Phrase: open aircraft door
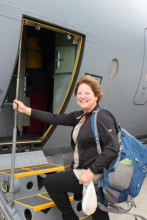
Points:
[[49, 65], [65, 59]]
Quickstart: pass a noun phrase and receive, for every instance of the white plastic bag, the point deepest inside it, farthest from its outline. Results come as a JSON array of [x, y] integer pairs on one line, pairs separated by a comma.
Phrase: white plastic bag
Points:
[[89, 200]]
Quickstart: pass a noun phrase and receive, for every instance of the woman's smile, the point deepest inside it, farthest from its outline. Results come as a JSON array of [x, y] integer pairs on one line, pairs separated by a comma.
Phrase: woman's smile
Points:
[[86, 98]]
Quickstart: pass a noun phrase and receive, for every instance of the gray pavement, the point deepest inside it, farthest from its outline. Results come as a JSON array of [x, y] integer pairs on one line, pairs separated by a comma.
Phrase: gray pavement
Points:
[[141, 203]]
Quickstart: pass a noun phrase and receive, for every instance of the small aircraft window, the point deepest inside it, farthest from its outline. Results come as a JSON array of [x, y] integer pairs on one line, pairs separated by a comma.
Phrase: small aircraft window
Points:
[[113, 68]]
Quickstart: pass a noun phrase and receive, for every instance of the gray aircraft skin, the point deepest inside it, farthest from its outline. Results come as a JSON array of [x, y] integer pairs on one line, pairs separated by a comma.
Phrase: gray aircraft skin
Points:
[[58, 42], [111, 39], [110, 30]]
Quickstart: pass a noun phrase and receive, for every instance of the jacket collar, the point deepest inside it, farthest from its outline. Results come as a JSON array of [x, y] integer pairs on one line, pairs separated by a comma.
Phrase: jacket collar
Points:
[[88, 113]]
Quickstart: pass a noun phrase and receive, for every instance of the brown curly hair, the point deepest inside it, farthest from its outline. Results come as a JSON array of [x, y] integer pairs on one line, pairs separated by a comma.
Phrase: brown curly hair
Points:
[[93, 83]]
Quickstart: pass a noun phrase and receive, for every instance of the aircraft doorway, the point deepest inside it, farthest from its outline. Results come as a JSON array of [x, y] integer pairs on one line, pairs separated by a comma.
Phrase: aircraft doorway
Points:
[[49, 59], [38, 77]]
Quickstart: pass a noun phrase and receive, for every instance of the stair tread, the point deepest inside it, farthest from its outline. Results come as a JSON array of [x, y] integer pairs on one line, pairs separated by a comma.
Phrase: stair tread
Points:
[[32, 170], [39, 202]]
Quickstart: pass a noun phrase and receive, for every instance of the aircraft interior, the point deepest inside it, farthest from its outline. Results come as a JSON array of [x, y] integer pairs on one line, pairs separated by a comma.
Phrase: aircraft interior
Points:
[[48, 62]]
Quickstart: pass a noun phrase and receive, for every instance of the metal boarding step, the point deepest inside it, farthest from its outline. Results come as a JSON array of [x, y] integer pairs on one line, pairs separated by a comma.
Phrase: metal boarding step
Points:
[[30, 170], [22, 145], [39, 202], [31, 201]]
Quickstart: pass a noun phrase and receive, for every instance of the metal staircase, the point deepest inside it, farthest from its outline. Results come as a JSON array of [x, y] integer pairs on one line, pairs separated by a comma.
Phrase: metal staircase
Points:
[[30, 199]]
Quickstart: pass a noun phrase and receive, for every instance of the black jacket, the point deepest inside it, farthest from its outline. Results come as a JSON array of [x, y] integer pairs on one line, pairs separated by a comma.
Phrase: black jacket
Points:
[[88, 156]]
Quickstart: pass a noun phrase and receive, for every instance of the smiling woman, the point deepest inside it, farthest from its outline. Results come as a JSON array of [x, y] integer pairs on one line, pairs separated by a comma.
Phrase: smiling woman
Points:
[[86, 98], [88, 164], [88, 93], [94, 87]]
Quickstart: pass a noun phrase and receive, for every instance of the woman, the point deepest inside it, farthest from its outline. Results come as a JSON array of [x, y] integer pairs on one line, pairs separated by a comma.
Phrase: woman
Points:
[[87, 163]]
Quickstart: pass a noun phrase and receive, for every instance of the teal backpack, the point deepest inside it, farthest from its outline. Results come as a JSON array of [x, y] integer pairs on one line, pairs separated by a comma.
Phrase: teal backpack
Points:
[[123, 178]]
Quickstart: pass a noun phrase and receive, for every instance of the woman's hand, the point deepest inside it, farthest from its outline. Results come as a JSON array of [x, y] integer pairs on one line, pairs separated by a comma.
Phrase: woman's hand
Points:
[[86, 177], [21, 107]]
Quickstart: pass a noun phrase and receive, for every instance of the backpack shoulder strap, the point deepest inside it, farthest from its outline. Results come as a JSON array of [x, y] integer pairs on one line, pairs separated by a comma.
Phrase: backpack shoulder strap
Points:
[[95, 131]]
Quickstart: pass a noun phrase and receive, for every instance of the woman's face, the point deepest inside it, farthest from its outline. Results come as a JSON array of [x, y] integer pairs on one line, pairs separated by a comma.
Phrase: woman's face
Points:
[[86, 98]]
